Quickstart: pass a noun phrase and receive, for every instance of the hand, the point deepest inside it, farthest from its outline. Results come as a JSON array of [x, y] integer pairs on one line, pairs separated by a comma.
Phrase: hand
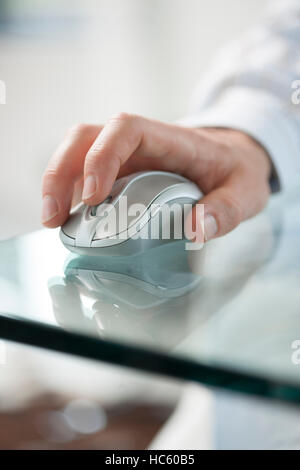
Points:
[[231, 169]]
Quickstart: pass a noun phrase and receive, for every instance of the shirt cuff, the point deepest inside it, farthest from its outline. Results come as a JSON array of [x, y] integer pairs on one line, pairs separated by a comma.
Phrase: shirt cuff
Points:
[[263, 117]]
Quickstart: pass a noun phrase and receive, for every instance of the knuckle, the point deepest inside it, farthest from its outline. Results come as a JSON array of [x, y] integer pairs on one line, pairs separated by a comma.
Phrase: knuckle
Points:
[[50, 177], [92, 163], [95, 159], [78, 130], [121, 118], [94, 150]]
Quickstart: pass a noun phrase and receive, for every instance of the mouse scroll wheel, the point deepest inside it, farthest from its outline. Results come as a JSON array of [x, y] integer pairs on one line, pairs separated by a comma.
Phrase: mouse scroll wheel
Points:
[[96, 209]]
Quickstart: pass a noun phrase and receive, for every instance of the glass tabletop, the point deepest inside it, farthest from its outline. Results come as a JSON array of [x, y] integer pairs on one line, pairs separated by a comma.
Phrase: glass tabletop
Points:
[[227, 315]]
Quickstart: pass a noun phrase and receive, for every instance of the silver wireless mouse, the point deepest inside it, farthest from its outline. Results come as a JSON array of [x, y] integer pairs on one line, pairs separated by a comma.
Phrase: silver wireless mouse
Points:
[[133, 217]]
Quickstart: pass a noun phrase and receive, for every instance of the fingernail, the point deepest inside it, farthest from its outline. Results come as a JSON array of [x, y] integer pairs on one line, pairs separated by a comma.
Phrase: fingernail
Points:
[[210, 227], [90, 187], [50, 208]]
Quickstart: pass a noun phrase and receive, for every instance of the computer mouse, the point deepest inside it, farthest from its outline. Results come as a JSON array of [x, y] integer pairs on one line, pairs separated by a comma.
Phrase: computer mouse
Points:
[[143, 210]]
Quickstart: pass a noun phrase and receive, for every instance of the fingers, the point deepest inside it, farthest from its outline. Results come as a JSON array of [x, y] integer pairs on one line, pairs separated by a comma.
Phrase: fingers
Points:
[[126, 144], [131, 143], [64, 168], [241, 196], [77, 192], [119, 139], [230, 168]]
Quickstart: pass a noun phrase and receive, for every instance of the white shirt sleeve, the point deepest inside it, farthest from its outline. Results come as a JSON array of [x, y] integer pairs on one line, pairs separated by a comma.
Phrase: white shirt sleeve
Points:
[[254, 86]]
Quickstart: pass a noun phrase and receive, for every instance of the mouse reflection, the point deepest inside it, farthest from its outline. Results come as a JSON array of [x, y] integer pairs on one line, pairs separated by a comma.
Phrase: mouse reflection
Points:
[[157, 298], [129, 298]]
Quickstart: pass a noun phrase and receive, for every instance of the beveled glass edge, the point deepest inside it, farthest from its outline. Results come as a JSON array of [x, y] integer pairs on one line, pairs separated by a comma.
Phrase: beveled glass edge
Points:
[[53, 338]]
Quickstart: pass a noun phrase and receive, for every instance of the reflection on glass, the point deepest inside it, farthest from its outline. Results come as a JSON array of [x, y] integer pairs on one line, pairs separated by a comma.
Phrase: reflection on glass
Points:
[[235, 303], [165, 297], [138, 298]]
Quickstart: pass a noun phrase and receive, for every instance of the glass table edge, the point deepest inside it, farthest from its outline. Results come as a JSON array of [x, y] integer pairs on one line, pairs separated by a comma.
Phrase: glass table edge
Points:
[[144, 359]]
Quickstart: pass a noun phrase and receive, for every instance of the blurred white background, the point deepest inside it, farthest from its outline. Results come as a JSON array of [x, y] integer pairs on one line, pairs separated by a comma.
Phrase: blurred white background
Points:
[[66, 62]]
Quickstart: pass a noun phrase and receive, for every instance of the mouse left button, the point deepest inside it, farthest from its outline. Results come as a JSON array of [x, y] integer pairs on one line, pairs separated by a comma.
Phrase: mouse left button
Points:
[[70, 227], [97, 210]]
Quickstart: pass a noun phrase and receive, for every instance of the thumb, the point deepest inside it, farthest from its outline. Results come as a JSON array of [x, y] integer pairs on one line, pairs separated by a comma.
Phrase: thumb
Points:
[[225, 207]]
